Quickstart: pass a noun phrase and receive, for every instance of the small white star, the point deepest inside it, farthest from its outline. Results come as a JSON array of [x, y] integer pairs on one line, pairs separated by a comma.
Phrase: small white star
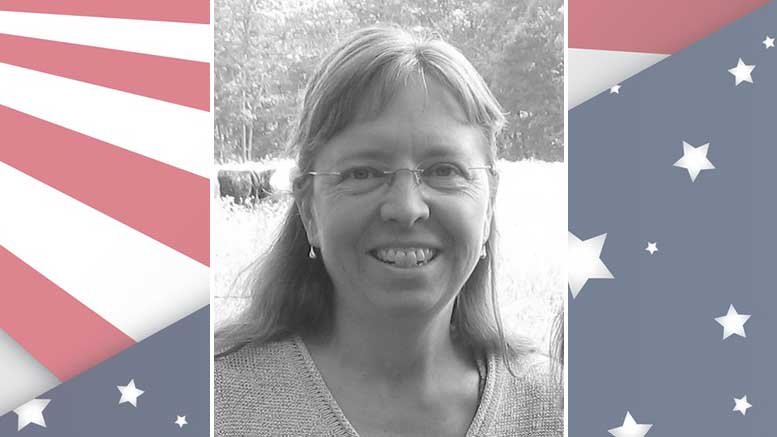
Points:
[[733, 323], [694, 160], [615, 89], [741, 405], [31, 412], [651, 248], [630, 428], [742, 72], [129, 393], [768, 42], [180, 421], [584, 262]]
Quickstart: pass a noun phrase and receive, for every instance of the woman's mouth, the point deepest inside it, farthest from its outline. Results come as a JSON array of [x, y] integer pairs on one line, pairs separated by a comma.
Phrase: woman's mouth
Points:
[[405, 257]]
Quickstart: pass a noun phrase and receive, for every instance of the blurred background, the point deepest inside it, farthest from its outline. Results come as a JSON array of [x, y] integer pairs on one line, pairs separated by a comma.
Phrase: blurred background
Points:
[[265, 51]]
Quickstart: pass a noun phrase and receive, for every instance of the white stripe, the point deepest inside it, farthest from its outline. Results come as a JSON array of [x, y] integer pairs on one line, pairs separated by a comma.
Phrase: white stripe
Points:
[[134, 282], [170, 133], [593, 71], [175, 40], [22, 377]]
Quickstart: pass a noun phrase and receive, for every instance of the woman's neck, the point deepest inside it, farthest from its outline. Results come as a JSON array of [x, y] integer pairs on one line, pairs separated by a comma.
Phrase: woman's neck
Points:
[[394, 350]]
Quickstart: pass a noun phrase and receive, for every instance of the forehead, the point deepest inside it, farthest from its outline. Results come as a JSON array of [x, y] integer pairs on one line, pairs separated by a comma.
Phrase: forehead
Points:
[[420, 120]]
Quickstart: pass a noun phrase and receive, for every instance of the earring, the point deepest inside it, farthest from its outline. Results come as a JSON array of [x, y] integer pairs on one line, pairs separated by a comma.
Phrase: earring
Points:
[[483, 253], [312, 253]]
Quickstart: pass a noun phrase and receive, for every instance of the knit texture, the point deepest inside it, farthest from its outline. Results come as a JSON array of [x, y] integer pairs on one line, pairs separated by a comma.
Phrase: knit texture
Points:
[[276, 390]]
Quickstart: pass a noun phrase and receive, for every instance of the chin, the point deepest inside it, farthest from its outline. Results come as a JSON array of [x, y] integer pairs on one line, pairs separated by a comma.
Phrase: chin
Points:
[[403, 303]]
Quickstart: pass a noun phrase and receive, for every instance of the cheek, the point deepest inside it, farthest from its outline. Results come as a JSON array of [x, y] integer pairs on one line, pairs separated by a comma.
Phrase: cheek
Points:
[[465, 221], [341, 222]]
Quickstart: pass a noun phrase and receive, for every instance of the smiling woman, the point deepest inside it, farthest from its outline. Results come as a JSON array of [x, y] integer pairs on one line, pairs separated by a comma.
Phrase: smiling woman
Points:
[[374, 313]]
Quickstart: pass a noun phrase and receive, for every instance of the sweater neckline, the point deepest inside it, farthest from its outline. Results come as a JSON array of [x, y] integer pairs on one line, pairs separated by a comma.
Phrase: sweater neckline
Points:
[[483, 415]]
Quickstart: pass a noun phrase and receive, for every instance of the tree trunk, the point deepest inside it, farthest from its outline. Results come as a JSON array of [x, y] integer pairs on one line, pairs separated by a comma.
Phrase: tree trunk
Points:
[[244, 151], [250, 150]]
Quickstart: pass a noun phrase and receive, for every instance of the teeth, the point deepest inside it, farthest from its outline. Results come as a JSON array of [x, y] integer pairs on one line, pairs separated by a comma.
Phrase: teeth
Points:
[[408, 257]]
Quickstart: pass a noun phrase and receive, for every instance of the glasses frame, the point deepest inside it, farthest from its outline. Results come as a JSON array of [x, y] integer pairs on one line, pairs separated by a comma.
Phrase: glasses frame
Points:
[[417, 172]]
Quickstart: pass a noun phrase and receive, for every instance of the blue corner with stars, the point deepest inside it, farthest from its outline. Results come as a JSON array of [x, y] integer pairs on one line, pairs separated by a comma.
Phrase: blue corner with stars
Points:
[[160, 386], [671, 328]]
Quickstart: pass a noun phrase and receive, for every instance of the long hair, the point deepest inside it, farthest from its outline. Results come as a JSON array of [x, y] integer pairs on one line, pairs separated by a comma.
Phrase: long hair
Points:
[[292, 294]]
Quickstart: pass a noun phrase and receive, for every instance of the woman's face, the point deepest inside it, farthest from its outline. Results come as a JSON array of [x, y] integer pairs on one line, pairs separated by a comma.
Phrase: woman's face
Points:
[[401, 249]]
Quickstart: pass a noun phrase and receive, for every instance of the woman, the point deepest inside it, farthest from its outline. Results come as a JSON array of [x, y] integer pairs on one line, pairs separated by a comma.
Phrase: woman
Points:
[[374, 313]]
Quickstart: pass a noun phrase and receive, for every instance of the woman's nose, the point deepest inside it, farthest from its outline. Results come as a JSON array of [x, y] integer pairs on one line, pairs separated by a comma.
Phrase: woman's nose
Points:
[[404, 202]]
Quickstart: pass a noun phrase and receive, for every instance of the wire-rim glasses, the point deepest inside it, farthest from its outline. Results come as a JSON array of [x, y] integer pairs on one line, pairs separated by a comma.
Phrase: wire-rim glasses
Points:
[[442, 176]]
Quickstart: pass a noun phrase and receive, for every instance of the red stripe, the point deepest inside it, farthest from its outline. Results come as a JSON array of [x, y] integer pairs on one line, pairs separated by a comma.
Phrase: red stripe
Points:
[[186, 11], [164, 202], [655, 26], [58, 330], [173, 80]]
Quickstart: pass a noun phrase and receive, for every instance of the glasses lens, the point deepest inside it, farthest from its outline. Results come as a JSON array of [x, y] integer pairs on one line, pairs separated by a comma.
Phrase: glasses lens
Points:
[[359, 180], [445, 176]]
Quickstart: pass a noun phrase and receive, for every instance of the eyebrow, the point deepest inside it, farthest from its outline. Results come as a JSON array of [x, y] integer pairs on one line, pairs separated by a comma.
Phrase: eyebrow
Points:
[[379, 154], [371, 154]]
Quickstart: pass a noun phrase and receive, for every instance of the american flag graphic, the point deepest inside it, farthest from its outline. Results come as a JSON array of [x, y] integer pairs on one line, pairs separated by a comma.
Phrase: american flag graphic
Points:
[[612, 40], [672, 242], [105, 155]]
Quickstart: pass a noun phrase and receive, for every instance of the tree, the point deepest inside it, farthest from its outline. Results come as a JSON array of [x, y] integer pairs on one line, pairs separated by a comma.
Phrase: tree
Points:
[[265, 51]]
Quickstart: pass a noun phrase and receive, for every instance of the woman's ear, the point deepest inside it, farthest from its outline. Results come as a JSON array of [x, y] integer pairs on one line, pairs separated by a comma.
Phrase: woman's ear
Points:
[[307, 215]]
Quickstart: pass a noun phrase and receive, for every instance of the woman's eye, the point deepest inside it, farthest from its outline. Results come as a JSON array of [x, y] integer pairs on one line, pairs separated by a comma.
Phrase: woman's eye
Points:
[[359, 173], [444, 170]]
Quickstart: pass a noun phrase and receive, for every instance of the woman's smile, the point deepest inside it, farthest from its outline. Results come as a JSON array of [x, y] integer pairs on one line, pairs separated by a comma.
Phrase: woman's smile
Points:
[[405, 258]]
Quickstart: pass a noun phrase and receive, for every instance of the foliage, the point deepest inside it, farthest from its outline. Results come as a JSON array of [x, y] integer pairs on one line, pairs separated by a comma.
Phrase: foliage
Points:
[[265, 50]]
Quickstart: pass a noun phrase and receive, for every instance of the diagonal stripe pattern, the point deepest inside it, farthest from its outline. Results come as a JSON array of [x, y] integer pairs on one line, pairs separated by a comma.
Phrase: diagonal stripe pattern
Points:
[[104, 166], [172, 80]]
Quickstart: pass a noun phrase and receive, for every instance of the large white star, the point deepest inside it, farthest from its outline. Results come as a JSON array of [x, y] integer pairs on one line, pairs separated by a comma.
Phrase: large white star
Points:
[[584, 262], [651, 247], [768, 42], [733, 323], [741, 405], [32, 412], [129, 393], [180, 421], [742, 72], [630, 428], [694, 159], [615, 89]]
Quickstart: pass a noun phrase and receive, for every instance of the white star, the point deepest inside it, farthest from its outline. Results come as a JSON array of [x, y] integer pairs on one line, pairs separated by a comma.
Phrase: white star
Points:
[[741, 405], [630, 428], [584, 262], [32, 412], [129, 393], [733, 323], [652, 248], [180, 421], [768, 42], [742, 72], [615, 89], [694, 159]]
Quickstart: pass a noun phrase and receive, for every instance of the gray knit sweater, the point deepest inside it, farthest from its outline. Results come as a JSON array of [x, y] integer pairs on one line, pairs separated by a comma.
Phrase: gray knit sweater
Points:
[[276, 390]]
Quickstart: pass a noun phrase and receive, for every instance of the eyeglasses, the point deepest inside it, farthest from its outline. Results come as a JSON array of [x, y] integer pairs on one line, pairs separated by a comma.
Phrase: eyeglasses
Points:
[[441, 176]]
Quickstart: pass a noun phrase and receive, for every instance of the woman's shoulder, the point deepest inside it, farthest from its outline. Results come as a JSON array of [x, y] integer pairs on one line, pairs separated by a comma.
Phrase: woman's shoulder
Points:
[[252, 357], [250, 372], [532, 396], [261, 389], [536, 377]]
